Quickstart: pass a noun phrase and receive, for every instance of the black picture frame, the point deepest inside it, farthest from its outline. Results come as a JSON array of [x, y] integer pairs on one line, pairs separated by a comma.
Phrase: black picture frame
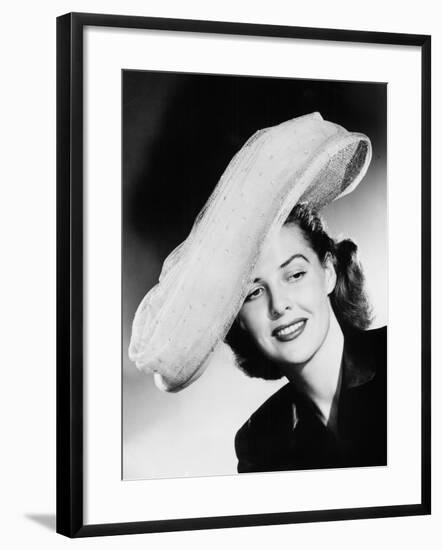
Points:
[[70, 295]]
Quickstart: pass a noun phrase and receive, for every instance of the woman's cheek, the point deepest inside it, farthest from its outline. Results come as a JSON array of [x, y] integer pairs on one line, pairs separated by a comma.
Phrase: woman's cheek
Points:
[[255, 322], [248, 318]]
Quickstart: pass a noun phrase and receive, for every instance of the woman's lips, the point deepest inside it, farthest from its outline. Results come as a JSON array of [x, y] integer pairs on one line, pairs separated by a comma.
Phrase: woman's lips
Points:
[[289, 332]]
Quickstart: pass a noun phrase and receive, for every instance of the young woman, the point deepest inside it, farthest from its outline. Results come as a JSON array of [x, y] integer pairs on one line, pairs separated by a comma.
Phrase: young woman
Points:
[[295, 298], [304, 318]]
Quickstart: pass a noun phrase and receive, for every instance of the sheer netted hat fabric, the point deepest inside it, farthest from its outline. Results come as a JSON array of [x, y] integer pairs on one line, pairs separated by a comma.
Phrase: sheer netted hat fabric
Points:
[[204, 281]]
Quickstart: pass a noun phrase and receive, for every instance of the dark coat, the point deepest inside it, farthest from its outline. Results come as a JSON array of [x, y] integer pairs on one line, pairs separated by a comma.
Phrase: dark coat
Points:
[[285, 433]]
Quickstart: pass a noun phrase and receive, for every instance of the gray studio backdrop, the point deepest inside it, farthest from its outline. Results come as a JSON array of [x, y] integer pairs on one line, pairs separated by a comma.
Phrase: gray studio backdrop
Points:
[[179, 133]]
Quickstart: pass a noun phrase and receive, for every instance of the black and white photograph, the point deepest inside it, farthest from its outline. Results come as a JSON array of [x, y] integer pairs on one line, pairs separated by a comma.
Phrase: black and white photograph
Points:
[[221, 257], [254, 274], [243, 274]]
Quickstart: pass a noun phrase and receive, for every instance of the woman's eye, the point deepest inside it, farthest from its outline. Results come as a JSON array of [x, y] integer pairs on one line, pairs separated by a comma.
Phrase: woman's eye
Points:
[[296, 276], [254, 294]]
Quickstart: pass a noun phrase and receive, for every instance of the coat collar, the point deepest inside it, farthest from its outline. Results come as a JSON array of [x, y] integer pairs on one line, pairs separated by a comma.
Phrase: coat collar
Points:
[[358, 368], [270, 429]]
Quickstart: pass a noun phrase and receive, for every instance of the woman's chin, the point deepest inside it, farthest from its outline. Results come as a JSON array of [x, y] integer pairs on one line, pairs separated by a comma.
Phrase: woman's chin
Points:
[[293, 354]]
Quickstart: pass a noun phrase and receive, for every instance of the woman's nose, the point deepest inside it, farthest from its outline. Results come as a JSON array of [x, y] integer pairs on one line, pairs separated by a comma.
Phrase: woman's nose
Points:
[[278, 304]]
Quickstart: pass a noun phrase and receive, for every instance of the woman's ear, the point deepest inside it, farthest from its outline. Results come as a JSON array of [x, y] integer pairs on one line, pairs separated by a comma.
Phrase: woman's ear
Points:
[[330, 273]]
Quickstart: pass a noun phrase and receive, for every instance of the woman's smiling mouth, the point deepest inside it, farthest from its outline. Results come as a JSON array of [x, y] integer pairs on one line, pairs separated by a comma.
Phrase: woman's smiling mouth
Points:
[[289, 332]]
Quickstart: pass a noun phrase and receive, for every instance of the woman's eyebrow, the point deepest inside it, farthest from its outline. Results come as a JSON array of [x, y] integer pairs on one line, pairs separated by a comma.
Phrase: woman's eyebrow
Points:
[[294, 257], [286, 263]]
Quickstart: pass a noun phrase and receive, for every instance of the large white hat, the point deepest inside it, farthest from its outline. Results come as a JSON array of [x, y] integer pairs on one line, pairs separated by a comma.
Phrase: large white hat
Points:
[[204, 281]]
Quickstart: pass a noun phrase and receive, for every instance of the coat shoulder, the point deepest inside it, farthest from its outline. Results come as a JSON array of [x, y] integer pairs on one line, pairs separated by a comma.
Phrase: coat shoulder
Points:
[[261, 433], [267, 440], [376, 347], [367, 348]]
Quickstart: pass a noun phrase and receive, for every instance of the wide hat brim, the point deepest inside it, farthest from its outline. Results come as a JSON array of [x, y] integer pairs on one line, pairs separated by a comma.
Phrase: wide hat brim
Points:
[[204, 281]]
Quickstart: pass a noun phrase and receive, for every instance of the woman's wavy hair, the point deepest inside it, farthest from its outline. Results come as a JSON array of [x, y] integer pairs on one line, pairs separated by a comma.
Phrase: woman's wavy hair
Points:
[[348, 299]]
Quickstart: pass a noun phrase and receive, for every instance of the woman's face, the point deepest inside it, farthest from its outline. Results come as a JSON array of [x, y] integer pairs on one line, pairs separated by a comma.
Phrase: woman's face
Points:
[[287, 309]]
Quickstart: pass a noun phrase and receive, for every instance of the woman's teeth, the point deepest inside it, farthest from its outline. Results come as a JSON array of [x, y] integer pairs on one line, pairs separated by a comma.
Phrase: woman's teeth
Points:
[[290, 329]]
